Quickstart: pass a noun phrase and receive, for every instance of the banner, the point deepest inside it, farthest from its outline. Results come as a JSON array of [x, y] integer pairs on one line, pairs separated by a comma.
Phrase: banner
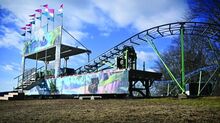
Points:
[[42, 39], [105, 82]]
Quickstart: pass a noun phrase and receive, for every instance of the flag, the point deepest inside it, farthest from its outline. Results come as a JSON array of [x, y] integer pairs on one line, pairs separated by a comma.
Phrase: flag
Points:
[[23, 34], [61, 6], [45, 14], [38, 10], [60, 14], [46, 5], [32, 19], [32, 22], [51, 12], [24, 28], [29, 31], [39, 18], [29, 24], [33, 15], [60, 11], [50, 18]]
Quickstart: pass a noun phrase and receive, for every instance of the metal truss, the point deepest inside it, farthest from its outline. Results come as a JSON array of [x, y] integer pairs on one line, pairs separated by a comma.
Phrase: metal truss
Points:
[[208, 30]]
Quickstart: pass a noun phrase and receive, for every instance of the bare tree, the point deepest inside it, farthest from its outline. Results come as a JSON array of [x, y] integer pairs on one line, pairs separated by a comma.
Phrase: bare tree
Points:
[[205, 9], [198, 52]]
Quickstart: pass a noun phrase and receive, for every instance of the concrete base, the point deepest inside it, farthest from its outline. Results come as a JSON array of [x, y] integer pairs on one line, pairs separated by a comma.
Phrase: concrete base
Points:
[[90, 97], [182, 96]]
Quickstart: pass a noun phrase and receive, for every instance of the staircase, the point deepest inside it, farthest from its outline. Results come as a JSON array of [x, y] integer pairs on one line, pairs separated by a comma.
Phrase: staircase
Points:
[[30, 79], [12, 96], [103, 59], [98, 62]]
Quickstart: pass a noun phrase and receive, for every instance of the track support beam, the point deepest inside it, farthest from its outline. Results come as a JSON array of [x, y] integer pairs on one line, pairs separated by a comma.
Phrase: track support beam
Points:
[[182, 59]]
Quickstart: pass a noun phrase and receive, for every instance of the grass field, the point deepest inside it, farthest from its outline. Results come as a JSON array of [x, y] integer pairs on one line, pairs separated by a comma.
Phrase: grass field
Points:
[[112, 110]]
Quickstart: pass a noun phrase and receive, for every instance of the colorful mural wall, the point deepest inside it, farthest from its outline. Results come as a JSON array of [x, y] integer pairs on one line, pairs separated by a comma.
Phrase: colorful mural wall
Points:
[[42, 39], [105, 82]]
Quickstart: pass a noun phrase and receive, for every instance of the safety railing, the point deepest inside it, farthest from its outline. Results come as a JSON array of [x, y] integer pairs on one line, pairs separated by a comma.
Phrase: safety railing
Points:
[[28, 75]]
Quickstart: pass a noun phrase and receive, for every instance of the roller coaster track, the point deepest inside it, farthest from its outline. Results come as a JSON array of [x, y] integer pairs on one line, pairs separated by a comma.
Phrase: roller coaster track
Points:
[[196, 72], [208, 30]]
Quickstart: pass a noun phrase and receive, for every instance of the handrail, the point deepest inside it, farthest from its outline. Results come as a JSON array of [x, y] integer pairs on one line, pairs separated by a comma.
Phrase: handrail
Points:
[[31, 68], [27, 75]]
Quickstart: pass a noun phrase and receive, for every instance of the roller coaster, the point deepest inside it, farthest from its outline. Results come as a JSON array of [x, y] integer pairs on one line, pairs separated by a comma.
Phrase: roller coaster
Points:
[[207, 30], [114, 71]]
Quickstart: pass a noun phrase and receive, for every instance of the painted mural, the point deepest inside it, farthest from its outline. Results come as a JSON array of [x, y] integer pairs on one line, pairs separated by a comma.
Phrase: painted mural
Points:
[[42, 39], [105, 82]]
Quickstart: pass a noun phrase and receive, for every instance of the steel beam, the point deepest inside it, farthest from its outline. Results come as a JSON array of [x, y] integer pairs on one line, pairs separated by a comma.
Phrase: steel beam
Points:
[[182, 58], [57, 60]]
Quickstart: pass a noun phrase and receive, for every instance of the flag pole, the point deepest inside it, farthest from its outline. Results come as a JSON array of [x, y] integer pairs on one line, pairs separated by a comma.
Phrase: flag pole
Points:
[[40, 11], [61, 29], [30, 31], [47, 24], [34, 22], [53, 20], [40, 18], [61, 24], [62, 21], [25, 37]]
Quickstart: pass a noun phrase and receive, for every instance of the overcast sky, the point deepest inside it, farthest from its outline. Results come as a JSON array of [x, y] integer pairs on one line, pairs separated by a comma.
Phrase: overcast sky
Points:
[[98, 24]]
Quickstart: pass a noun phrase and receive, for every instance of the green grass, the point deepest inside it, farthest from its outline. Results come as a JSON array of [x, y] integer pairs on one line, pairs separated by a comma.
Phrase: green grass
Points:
[[211, 102], [112, 110]]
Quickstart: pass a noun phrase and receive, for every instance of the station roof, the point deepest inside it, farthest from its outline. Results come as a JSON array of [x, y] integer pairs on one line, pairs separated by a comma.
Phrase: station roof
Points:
[[48, 54]]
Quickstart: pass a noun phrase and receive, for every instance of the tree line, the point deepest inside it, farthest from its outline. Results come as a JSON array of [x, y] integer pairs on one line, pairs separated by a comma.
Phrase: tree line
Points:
[[199, 51]]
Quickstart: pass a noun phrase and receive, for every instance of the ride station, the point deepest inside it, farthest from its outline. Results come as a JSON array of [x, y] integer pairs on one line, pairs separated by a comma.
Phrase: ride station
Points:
[[113, 73]]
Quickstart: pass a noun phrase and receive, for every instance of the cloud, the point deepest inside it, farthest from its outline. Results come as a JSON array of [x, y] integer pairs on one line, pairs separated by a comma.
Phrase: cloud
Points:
[[77, 61], [11, 39], [11, 67], [8, 72], [8, 67], [106, 34], [9, 36], [106, 16], [149, 58], [142, 14], [151, 70], [146, 56], [67, 39]]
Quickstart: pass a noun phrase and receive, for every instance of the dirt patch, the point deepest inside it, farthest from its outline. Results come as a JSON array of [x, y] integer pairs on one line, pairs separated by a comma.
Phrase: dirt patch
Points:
[[112, 110]]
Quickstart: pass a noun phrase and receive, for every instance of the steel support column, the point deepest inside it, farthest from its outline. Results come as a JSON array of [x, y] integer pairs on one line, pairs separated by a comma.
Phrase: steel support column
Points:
[[150, 42], [36, 61], [57, 60], [23, 72], [45, 72], [88, 57], [126, 59], [182, 59], [200, 78]]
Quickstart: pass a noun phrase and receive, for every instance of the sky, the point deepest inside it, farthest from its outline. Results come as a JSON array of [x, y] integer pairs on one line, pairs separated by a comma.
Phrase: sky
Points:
[[98, 24]]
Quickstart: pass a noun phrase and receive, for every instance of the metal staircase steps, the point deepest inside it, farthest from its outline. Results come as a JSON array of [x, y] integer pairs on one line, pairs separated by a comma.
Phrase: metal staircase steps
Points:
[[12, 96]]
